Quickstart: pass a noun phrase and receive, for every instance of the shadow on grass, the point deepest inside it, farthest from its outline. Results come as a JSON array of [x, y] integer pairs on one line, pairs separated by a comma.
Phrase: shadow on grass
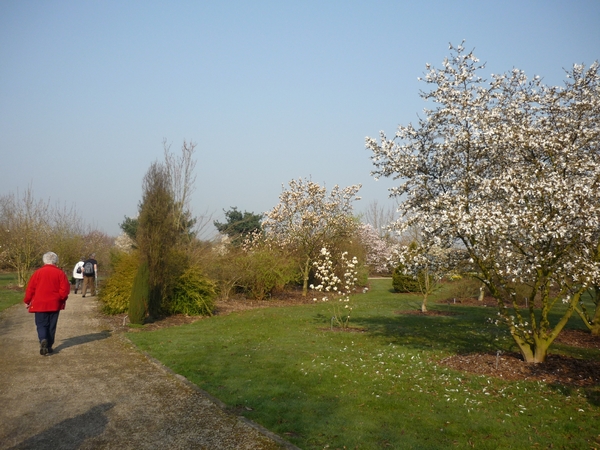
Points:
[[593, 395], [288, 406], [466, 331]]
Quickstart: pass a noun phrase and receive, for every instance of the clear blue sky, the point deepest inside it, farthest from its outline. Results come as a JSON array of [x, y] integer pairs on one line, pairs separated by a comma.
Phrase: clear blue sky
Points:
[[269, 90]]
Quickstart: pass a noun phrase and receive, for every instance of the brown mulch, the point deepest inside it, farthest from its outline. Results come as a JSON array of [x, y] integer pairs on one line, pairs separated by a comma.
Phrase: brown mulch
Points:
[[344, 330], [471, 301], [557, 369], [418, 312], [14, 287], [236, 304], [120, 322]]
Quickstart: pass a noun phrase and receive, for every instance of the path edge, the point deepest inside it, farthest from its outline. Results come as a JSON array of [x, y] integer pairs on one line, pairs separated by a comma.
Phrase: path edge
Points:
[[217, 402]]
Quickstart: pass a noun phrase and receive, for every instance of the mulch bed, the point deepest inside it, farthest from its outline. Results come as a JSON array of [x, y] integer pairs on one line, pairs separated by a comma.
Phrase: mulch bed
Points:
[[557, 369], [344, 330], [120, 322], [14, 287], [418, 312], [471, 301]]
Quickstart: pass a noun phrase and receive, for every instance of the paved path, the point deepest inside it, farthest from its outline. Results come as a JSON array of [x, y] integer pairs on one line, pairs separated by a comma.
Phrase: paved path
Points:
[[98, 392]]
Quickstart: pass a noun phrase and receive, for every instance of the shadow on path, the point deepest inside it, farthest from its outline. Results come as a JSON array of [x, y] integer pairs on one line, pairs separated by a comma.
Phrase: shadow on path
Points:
[[71, 433], [78, 340]]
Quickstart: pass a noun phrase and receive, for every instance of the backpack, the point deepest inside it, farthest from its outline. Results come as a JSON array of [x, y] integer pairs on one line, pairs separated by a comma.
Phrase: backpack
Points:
[[88, 268]]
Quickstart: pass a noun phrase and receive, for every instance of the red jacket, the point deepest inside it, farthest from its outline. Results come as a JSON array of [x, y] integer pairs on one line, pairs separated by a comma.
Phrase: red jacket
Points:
[[47, 290]]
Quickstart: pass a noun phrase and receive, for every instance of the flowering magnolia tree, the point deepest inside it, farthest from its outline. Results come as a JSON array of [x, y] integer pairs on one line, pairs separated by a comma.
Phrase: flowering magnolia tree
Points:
[[334, 287], [307, 218], [124, 243], [427, 265], [509, 170], [378, 250]]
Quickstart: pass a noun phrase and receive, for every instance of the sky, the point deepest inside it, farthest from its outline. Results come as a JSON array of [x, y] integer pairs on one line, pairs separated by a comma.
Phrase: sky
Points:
[[269, 91]]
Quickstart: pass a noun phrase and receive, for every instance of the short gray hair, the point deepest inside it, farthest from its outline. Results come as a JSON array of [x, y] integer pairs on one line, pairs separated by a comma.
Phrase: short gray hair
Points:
[[50, 258]]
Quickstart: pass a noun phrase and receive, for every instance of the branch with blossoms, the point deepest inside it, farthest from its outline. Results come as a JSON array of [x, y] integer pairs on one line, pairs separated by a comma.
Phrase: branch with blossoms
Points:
[[335, 288]]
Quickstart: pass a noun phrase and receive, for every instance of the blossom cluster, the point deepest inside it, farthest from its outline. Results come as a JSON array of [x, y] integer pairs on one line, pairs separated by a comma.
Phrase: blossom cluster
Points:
[[306, 213], [124, 243], [379, 251], [334, 287]]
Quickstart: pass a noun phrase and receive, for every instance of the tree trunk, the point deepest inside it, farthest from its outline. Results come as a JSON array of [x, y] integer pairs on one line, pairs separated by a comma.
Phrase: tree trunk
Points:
[[534, 348], [595, 325], [424, 304], [535, 352], [21, 277], [305, 277], [481, 293], [591, 322]]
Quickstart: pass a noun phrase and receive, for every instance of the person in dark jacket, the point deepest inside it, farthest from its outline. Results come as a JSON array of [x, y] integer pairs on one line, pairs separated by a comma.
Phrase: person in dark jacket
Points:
[[46, 295], [90, 272]]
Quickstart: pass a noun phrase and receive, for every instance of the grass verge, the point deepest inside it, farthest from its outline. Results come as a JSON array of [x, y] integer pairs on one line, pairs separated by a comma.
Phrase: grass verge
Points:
[[9, 295], [377, 386]]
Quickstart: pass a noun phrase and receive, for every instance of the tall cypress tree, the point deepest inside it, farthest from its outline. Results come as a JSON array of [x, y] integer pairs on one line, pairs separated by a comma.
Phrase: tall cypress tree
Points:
[[157, 234], [138, 302]]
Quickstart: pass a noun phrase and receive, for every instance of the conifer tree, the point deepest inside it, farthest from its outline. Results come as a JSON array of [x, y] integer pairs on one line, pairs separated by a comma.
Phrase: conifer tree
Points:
[[138, 302]]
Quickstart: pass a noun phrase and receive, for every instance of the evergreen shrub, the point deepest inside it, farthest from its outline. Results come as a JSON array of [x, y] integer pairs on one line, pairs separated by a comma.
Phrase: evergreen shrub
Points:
[[138, 301], [264, 271], [193, 294], [116, 289], [403, 282], [465, 287]]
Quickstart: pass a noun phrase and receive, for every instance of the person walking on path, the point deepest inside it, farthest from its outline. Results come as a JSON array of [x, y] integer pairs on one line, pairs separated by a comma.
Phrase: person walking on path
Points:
[[46, 295], [90, 272], [78, 274]]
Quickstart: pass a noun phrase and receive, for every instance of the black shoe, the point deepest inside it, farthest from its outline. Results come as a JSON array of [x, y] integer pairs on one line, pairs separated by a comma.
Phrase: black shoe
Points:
[[44, 347], [76, 291], [50, 350], [83, 296]]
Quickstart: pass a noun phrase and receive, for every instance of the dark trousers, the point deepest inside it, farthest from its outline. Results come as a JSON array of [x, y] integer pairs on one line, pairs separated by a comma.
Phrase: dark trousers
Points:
[[78, 282], [46, 326], [91, 282]]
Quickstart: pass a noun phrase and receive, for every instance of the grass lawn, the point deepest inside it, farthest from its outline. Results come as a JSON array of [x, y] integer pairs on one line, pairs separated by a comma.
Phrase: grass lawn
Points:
[[9, 296], [379, 386]]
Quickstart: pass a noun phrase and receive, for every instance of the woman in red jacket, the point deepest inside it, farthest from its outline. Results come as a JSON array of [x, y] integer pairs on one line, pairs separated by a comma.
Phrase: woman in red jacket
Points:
[[46, 294]]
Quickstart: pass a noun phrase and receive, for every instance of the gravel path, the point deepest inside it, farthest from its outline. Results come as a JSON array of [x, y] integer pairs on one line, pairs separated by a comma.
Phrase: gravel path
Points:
[[98, 392]]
